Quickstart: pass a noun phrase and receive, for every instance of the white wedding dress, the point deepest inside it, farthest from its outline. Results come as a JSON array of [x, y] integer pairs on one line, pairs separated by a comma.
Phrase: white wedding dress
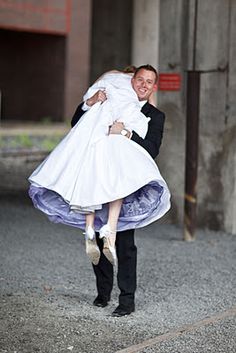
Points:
[[90, 168]]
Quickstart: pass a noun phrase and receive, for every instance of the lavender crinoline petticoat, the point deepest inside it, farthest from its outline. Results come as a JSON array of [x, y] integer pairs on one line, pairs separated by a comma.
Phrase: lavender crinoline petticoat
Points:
[[138, 209]]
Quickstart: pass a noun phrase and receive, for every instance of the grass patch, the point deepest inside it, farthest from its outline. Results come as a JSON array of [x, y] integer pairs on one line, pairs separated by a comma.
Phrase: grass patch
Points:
[[25, 141]]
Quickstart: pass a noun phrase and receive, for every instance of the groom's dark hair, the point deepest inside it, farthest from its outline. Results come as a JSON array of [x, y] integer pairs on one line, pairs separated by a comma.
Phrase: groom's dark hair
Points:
[[146, 67]]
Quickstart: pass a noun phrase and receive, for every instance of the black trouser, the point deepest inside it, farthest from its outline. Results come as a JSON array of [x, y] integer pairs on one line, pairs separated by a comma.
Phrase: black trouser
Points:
[[126, 275]]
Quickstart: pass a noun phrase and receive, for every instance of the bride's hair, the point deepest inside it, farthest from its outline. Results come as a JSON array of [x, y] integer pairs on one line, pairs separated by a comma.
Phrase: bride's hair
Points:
[[129, 69]]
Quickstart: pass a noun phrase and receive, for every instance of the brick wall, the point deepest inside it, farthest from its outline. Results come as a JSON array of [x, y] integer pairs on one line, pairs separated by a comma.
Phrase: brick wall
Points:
[[32, 15]]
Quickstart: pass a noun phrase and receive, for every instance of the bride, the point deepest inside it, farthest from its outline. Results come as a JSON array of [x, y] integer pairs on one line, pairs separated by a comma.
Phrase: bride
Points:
[[98, 180]]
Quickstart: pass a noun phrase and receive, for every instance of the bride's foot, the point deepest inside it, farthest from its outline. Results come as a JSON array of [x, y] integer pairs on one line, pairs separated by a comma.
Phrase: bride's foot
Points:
[[109, 249], [89, 233], [91, 247]]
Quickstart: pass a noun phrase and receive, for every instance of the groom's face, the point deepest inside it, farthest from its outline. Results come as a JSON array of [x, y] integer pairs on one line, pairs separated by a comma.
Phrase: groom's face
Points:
[[144, 83]]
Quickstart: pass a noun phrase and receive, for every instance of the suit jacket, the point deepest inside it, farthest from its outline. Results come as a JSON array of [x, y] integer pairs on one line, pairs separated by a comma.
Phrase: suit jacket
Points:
[[152, 141]]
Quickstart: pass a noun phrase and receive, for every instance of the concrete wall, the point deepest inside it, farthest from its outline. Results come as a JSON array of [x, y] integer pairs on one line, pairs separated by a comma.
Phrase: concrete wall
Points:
[[111, 36], [229, 168], [195, 35], [212, 55], [172, 154], [77, 55], [15, 169], [145, 39], [158, 39]]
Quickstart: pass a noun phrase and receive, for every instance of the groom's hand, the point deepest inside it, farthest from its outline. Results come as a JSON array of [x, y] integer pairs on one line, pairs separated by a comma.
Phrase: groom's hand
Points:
[[99, 96], [116, 128]]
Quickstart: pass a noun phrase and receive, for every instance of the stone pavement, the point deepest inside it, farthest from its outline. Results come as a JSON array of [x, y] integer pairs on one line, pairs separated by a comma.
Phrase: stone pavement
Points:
[[185, 302]]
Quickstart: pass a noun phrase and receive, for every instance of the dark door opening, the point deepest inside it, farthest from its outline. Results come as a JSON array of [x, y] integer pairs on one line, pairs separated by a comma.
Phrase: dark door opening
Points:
[[32, 68]]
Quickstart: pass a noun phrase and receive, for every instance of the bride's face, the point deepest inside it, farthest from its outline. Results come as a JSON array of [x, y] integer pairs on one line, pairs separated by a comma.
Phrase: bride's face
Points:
[[144, 83]]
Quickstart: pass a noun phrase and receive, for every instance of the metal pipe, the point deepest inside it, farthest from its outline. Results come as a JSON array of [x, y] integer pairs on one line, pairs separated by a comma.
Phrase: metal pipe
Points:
[[191, 159]]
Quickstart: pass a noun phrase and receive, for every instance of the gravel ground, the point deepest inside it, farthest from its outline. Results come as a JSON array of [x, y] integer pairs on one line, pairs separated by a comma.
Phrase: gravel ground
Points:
[[47, 287]]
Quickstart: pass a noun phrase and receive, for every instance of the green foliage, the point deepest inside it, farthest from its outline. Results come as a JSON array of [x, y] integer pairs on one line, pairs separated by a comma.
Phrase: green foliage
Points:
[[46, 143], [49, 143], [24, 140]]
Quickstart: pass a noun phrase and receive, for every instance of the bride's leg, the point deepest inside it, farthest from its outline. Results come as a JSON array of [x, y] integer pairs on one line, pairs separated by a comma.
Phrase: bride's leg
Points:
[[108, 231], [89, 230], [113, 215], [90, 219]]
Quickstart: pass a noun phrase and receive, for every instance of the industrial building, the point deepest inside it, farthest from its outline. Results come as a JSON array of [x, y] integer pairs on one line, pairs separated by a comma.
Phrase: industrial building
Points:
[[52, 50]]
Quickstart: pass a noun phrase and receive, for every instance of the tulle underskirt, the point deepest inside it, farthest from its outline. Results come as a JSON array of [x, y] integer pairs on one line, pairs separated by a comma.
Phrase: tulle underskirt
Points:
[[139, 209]]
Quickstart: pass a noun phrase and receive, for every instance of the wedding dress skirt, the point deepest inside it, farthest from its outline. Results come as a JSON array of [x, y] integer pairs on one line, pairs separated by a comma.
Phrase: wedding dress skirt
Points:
[[90, 168]]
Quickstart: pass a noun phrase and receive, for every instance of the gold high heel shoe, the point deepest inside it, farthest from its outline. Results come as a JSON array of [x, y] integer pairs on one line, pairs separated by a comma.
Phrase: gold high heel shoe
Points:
[[91, 247], [109, 250]]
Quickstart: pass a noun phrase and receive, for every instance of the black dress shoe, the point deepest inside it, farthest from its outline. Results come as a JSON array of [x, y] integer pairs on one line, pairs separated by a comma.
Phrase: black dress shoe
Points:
[[119, 311], [100, 302]]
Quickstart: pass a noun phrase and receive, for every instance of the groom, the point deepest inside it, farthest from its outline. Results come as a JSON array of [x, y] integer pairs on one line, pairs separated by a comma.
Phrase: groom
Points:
[[144, 83]]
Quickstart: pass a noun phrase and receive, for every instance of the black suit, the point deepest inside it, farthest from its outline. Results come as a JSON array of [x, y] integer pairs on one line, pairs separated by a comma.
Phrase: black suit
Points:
[[125, 246]]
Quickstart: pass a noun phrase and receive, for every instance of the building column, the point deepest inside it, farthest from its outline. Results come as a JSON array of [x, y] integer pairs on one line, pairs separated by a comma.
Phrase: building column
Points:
[[146, 20], [77, 55]]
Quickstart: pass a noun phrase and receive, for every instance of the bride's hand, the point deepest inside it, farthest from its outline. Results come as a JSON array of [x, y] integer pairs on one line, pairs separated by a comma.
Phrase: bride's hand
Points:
[[99, 96]]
